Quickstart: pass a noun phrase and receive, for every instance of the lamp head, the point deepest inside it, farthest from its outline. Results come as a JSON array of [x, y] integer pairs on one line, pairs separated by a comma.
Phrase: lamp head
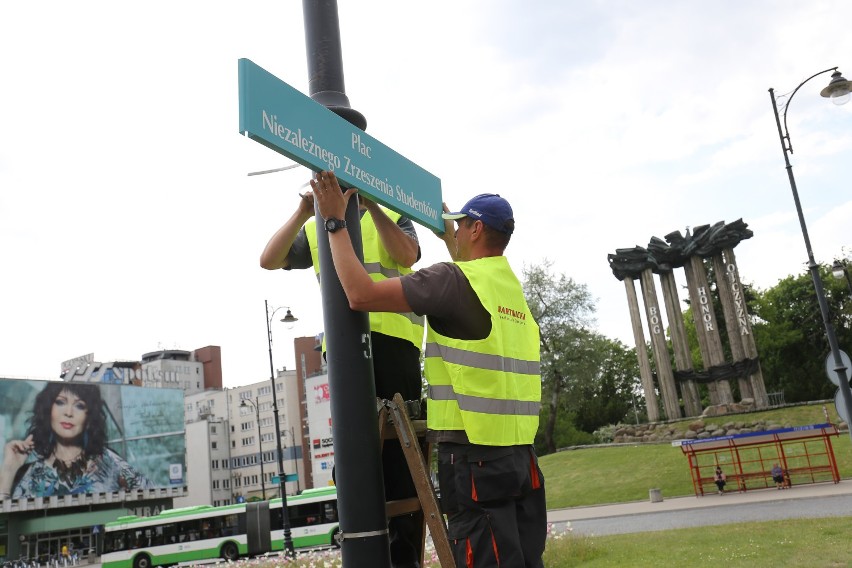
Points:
[[243, 402], [289, 318], [838, 89], [838, 270]]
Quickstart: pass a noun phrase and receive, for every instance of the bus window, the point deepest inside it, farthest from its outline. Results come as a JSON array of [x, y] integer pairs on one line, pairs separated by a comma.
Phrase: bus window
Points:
[[330, 512]]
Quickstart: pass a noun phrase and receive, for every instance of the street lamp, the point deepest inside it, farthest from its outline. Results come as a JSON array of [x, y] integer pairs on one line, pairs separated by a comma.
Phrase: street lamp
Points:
[[838, 90], [282, 487], [259, 442], [839, 271]]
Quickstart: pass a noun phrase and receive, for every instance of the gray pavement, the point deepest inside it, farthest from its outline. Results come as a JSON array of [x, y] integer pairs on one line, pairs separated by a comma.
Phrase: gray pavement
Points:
[[802, 501]]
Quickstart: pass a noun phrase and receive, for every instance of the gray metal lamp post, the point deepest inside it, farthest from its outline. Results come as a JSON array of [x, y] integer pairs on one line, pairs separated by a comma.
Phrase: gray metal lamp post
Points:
[[245, 402], [838, 90], [282, 484], [839, 271]]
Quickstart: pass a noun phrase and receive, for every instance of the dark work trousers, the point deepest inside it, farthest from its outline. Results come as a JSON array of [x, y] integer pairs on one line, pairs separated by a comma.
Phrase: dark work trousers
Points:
[[396, 365], [494, 501]]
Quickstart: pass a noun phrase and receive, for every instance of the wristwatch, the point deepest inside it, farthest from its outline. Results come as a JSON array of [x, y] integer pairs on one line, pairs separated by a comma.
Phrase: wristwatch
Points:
[[332, 224]]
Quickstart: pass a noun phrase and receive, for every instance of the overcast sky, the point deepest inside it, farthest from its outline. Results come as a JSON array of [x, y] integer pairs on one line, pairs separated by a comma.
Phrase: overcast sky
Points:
[[128, 223]]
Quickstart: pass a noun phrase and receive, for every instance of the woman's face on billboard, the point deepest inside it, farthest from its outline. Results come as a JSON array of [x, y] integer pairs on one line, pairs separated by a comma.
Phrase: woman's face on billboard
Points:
[[68, 416]]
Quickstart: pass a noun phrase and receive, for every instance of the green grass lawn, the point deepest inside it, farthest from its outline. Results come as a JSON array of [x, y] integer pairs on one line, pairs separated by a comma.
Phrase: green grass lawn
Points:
[[799, 543], [616, 474]]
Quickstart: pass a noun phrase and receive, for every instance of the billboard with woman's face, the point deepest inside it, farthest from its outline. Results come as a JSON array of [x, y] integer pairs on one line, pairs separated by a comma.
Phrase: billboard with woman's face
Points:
[[61, 438]]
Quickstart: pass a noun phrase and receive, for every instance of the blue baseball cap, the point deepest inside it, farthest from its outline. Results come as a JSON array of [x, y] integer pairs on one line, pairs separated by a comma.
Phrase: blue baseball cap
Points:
[[489, 208]]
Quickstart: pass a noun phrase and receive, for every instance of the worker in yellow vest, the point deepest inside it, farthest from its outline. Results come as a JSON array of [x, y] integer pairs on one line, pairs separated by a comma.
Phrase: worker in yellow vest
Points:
[[390, 248], [482, 361]]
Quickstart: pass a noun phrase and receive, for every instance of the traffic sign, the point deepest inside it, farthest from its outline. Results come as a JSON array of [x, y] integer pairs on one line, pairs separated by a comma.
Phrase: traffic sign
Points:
[[840, 406], [829, 367], [291, 123]]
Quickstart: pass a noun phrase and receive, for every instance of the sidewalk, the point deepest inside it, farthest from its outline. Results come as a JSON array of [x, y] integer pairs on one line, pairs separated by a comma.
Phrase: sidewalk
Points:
[[826, 489]]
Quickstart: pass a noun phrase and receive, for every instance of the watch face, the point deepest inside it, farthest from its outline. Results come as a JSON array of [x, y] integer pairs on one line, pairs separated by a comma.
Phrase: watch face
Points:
[[332, 224]]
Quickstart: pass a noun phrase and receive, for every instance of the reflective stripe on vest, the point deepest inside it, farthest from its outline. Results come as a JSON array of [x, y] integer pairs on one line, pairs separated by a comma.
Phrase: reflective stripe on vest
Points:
[[486, 405], [380, 266], [490, 388], [482, 360]]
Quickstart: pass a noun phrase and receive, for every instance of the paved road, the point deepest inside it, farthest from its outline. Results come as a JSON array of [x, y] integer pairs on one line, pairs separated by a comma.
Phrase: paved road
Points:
[[806, 501]]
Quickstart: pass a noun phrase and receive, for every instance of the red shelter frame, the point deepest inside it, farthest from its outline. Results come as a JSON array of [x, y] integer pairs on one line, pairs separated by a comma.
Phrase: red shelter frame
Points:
[[804, 453]]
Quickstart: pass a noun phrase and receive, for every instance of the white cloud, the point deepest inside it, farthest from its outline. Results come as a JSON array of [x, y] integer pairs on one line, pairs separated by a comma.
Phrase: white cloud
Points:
[[127, 221]]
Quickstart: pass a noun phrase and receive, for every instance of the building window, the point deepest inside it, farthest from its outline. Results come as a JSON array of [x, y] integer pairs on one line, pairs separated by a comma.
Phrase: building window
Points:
[[213, 429], [215, 484], [214, 464], [214, 445], [245, 395]]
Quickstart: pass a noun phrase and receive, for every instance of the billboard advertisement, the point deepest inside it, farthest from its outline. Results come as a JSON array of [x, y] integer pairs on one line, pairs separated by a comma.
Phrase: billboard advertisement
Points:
[[318, 402], [62, 438]]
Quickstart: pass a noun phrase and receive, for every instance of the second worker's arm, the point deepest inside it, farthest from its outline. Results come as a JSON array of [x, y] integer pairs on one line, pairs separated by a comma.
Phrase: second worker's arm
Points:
[[277, 250], [400, 245], [362, 292]]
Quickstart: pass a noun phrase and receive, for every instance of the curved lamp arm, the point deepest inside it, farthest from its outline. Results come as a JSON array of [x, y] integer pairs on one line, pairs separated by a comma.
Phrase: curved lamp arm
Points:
[[786, 135]]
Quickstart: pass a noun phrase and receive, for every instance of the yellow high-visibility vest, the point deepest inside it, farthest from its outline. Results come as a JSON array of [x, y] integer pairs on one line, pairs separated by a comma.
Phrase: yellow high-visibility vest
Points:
[[490, 388], [380, 266]]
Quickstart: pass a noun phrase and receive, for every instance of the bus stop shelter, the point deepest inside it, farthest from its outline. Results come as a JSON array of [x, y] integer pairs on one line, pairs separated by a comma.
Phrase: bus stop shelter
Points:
[[804, 453]]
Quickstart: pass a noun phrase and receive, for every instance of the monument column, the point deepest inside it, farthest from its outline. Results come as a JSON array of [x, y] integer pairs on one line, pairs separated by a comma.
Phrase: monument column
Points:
[[707, 328], [658, 342], [732, 273], [680, 344], [651, 402], [726, 296]]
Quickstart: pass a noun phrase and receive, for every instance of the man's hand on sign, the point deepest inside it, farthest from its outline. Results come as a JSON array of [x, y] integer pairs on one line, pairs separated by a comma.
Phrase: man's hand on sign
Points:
[[331, 199], [306, 203], [449, 235]]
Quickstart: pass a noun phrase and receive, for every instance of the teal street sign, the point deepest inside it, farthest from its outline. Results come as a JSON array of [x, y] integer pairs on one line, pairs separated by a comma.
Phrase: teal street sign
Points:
[[287, 477], [291, 123]]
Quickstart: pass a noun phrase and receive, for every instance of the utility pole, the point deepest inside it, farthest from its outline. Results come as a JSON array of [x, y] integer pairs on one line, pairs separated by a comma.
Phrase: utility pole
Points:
[[357, 451]]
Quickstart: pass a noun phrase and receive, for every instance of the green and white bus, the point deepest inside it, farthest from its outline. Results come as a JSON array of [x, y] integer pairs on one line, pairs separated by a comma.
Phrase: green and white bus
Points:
[[192, 534]]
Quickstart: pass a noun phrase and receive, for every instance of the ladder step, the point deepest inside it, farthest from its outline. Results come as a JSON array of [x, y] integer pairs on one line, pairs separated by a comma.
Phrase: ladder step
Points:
[[396, 424], [402, 507]]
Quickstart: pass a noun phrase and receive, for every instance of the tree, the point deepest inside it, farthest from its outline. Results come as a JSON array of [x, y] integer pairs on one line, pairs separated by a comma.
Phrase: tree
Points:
[[790, 334], [603, 395], [563, 310]]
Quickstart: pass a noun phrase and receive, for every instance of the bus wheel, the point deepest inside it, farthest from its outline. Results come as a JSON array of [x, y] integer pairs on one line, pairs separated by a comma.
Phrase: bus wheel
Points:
[[142, 561], [230, 552]]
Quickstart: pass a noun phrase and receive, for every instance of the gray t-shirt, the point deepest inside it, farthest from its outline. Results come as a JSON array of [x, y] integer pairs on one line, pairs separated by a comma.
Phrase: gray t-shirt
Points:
[[299, 256], [443, 294]]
